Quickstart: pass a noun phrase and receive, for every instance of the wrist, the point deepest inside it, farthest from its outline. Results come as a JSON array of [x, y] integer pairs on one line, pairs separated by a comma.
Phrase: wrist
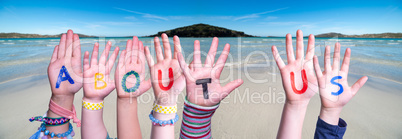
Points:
[[92, 100], [65, 101], [330, 115], [297, 104]]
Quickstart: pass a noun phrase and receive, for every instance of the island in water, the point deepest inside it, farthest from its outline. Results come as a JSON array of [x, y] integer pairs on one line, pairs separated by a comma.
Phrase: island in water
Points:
[[202, 30]]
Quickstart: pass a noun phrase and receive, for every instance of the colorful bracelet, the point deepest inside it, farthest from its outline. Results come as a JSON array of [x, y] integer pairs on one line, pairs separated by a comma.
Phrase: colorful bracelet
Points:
[[92, 106], [165, 109], [50, 121], [162, 122], [68, 134]]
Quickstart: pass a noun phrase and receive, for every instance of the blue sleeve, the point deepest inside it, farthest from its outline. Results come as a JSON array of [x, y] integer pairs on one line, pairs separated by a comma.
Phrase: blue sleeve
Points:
[[328, 131]]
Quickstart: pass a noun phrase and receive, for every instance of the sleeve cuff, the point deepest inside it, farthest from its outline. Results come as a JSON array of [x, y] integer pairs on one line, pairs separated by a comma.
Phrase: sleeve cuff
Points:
[[325, 130]]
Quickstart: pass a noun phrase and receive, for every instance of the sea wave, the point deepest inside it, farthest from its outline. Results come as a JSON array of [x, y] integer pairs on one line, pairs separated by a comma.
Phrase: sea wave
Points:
[[23, 61]]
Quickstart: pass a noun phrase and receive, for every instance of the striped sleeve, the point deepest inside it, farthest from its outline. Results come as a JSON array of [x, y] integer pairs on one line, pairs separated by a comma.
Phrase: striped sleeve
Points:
[[196, 121]]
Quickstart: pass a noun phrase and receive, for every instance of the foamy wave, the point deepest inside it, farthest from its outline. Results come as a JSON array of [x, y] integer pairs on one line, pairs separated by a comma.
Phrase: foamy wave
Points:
[[23, 61], [8, 43]]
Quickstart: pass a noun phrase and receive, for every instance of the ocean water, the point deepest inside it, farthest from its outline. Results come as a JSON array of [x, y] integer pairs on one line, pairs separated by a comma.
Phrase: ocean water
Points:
[[21, 58]]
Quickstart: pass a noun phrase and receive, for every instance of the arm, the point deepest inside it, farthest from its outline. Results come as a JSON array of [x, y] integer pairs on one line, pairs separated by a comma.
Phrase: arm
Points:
[[97, 85], [204, 91], [67, 54], [299, 83], [167, 83], [335, 93], [131, 61]]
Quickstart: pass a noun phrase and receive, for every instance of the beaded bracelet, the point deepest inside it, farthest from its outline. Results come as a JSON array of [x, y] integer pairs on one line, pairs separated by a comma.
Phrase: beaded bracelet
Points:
[[163, 122], [165, 109], [70, 132], [50, 121], [92, 106]]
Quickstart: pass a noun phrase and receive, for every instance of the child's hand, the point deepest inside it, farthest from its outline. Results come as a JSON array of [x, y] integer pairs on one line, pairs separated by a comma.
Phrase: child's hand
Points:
[[67, 54], [333, 84], [131, 64], [203, 85], [298, 77], [97, 82], [167, 78]]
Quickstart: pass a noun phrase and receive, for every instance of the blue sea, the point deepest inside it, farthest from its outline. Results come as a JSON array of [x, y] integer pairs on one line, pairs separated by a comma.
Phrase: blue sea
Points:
[[382, 58]]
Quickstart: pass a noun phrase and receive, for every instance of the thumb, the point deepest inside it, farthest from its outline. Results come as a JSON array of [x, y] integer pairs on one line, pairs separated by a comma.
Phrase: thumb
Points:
[[358, 84], [228, 88]]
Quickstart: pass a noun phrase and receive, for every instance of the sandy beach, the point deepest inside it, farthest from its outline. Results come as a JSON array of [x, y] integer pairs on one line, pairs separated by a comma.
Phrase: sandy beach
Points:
[[251, 111]]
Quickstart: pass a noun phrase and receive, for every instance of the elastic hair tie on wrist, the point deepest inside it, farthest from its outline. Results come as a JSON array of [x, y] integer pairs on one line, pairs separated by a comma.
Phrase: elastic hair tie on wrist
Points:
[[92, 106], [64, 112]]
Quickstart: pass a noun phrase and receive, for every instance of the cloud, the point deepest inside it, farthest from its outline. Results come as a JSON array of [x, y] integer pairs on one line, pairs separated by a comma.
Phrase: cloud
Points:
[[256, 15], [145, 15]]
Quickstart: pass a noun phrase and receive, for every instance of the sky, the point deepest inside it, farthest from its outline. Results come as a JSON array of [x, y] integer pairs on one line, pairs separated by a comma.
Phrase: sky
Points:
[[260, 18]]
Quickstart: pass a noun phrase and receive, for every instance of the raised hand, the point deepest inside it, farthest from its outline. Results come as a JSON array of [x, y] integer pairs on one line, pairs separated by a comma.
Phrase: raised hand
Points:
[[298, 77], [299, 82], [131, 68], [65, 70], [97, 82], [333, 84], [203, 84], [166, 76]]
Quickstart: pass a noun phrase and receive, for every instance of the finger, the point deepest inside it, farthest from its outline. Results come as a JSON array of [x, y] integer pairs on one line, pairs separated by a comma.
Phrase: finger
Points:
[[105, 53], [141, 57], [183, 65], [197, 55], [121, 59], [177, 46], [209, 61], [112, 59], [54, 55], [358, 84], [76, 47], [191, 66], [220, 63], [158, 50], [69, 44], [299, 45], [289, 48], [346, 61], [86, 61], [134, 52], [228, 88], [129, 47], [277, 58], [62, 46], [149, 58], [310, 47], [327, 59], [166, 46], [94, 58], [317, 67], [337, 53]]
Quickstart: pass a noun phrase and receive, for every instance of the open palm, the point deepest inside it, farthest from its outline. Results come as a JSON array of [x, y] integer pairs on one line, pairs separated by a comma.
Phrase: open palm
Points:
[[166, 76], [132, 59], [97, 82], [67, 54], [301, 89], [210, 73]]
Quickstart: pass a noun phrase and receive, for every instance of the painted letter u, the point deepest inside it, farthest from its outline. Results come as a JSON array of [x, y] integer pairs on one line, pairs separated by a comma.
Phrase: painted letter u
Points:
[[170, 78], [305, 83]]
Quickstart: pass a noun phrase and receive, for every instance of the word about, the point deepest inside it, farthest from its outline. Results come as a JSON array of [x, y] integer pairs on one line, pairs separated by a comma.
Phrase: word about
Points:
[[60, 79], [137, 82], [204, 83], [171, 80]]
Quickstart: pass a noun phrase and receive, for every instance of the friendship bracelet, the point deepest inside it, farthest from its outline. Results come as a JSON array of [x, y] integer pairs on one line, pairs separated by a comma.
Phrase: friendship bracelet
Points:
[[163, 122], [92, 106], [50, 121], [165, 109], [64, 112]]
